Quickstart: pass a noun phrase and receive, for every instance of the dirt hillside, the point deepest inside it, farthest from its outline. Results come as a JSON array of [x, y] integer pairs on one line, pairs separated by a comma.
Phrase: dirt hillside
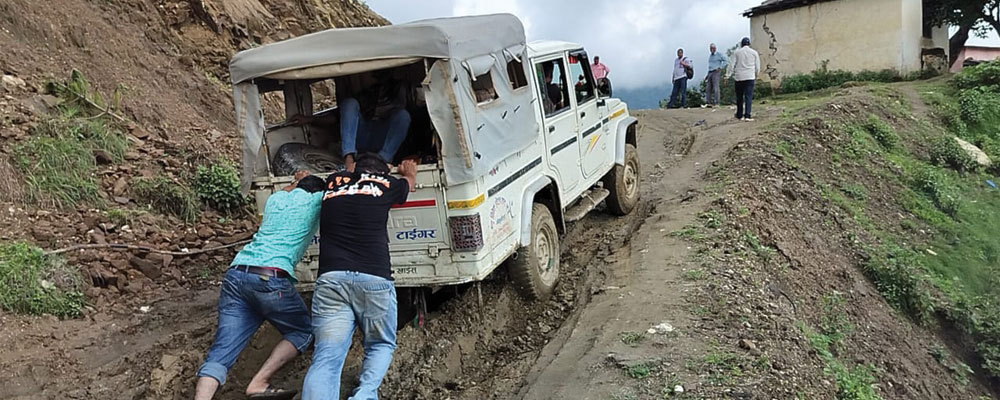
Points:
[[167, 61]]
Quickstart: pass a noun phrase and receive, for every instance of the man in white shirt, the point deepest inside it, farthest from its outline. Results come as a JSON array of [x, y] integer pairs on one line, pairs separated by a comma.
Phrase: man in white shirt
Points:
[[680, 79], [745, 67]]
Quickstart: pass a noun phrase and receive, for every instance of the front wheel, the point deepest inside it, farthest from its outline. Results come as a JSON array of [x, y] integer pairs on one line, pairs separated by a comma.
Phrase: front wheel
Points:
[[623, 183], [535, 268]]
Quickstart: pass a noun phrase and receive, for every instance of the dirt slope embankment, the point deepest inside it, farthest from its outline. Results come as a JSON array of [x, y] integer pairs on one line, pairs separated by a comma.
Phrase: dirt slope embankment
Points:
[[167, 59]]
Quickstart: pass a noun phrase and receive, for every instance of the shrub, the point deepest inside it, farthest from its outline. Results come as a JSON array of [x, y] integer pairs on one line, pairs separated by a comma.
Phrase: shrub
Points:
[[946, 152], [219, 186], [167, 197], [938, 189], [985, 74], [882, 132], [32, 283], [980, 107], [823, 77], [695, 98]]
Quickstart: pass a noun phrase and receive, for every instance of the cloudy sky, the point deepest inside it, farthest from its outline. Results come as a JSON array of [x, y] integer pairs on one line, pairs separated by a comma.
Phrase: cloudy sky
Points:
[[637, 39]]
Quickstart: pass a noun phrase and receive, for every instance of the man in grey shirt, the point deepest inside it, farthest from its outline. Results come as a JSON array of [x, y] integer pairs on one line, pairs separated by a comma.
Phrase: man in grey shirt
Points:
[[746, 66]]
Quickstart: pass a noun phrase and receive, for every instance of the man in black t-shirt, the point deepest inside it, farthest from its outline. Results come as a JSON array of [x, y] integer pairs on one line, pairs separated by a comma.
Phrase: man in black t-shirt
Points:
[[355, 288]]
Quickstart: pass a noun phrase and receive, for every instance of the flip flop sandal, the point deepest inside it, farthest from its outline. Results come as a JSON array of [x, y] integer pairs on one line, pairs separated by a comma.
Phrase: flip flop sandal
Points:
[[273, 393]]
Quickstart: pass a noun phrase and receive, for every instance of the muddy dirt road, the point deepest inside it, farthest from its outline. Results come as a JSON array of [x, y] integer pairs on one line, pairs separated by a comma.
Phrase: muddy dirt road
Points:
[[621, 276]]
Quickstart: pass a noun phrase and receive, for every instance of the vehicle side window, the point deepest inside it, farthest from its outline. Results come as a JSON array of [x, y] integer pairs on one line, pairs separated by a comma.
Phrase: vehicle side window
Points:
[[482, 88], [584, 86], [551, 77], [515, 71]]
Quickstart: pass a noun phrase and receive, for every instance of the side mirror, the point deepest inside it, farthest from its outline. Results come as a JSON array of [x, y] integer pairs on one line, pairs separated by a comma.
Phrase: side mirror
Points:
[[601, 102]]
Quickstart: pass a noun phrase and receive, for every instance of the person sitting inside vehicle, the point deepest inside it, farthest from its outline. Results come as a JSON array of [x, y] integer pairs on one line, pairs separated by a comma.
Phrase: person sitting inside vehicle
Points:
[[553, 99], [372, 118]]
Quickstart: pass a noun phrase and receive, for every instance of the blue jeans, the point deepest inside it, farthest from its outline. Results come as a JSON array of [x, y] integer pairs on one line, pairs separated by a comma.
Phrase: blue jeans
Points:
[[744, 96], [382, 136], [680, 89], [343, 301], [245, 301]]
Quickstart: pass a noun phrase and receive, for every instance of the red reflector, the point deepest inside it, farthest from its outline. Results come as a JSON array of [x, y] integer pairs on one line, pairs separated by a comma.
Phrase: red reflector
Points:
[[416, 203], [466, 232]]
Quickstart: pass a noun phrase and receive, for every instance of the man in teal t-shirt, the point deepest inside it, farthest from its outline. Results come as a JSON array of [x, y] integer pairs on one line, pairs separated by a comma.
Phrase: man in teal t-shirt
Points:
[[260, 286]]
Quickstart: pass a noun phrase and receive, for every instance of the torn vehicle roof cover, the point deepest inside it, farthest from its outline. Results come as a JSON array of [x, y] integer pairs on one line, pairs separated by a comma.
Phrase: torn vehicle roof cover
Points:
[[458, 38]]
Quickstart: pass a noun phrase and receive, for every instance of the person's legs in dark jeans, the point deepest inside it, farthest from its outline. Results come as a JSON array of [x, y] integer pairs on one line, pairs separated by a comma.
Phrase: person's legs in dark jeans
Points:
[[740, 89], [748, 93], [684, 91], [673, 93]]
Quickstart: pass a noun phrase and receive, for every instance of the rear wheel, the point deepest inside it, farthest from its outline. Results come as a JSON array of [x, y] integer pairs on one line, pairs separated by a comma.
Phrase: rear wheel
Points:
[[294, 157], [535, 269], [623, 182]]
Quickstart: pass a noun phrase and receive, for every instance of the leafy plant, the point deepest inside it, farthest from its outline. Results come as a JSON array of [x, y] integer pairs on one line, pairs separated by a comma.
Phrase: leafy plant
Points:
[[218, 185], [31, 283], [167, 197]]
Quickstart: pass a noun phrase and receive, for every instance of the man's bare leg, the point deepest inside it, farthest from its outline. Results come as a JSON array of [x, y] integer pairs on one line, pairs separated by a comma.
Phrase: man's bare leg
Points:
[[349, 162], [281, 354], [205, 388]]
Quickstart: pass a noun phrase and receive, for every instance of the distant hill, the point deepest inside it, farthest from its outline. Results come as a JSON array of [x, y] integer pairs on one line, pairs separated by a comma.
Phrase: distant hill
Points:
[[644, 98]]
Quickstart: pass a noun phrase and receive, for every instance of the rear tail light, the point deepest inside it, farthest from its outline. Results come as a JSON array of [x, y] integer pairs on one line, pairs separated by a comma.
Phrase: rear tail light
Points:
[[466, 232]]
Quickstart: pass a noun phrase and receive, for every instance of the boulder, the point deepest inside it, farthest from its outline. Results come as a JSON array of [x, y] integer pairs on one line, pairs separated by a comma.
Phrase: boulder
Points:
[[974, 152], [148, 267]]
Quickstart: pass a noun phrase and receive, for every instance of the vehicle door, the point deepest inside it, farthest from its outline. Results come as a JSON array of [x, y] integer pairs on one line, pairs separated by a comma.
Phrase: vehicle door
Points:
[[593, 140], [558, 119]]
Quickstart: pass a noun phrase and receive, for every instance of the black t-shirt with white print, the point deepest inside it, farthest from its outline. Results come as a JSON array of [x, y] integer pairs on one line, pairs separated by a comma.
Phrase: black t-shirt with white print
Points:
[[353, 234]]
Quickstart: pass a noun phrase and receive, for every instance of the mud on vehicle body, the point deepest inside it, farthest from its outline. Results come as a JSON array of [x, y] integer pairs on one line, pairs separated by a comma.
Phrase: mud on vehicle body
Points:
[[510, 148]]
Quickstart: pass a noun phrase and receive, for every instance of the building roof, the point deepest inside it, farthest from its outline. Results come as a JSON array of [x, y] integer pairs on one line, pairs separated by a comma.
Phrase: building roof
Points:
[[770, 6]]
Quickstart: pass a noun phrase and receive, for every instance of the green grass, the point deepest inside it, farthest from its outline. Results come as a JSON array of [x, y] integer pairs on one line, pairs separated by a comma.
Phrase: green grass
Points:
[[57, 160], [31, 283], [58, 163], [853, 382], [693, 274], [638, 371], [167, 197], [632, 338]]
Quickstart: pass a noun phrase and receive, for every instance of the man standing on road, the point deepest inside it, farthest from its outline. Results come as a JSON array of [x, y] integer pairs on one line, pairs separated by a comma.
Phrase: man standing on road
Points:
[[746, 66], [355, 288], [680, 78], [716, 63], [260, 285]]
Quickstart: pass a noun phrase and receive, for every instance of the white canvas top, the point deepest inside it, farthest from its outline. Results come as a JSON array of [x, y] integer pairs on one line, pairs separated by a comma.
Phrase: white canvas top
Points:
[[459, 38]]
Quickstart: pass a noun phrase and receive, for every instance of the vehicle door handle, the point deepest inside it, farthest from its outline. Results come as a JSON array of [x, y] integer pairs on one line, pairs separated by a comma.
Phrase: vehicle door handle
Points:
[[583, 114], [552, 128]]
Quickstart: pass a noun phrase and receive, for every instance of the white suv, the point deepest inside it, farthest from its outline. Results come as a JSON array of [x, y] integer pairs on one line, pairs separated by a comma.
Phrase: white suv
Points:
[[514, 141]]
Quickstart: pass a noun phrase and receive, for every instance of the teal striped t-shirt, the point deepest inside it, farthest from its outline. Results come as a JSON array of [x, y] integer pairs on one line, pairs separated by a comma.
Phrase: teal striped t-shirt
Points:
[[290, 221]]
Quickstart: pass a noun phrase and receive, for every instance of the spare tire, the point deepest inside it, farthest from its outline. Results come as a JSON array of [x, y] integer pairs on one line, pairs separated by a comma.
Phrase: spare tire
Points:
[[293, 157]]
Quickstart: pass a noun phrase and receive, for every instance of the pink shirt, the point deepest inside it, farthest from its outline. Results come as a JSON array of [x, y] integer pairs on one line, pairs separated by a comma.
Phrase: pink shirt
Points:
[[599, 70]]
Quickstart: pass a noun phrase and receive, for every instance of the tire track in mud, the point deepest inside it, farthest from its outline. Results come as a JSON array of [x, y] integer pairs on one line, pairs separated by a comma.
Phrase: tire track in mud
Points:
[[483, 351]]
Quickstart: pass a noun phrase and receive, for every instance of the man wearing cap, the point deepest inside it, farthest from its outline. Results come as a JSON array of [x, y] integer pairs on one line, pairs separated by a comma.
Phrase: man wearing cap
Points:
[[746, 66]]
